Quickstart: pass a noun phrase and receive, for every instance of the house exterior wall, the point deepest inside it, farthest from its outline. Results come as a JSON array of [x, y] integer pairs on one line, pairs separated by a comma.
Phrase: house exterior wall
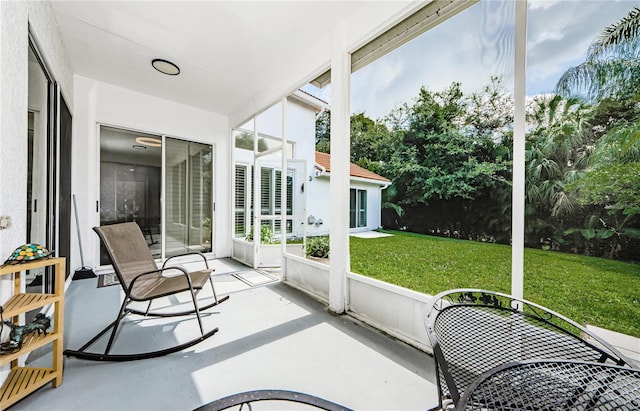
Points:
[[374, 201], [320, 201], [100, 103], [318, 206]]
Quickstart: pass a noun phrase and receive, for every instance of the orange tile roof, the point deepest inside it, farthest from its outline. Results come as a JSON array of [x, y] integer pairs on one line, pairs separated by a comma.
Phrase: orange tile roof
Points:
[[324, 160]]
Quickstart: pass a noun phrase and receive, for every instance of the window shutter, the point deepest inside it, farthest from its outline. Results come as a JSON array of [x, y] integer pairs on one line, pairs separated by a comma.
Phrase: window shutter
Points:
[[240, 199], [266, 184], [362, 208]]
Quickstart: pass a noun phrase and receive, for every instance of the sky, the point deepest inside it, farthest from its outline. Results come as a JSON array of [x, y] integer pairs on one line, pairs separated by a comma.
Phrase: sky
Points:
[[478, 43]]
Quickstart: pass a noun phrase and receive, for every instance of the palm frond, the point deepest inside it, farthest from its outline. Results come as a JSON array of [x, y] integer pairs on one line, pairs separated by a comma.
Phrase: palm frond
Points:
[[599, 79], [619, 38]]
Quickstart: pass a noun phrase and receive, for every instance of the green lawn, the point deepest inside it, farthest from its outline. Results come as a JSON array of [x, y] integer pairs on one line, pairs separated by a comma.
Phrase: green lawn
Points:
[[588, 290]]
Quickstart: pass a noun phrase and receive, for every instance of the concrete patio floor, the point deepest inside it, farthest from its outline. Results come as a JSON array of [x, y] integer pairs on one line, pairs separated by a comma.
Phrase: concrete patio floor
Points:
[[271, 337]]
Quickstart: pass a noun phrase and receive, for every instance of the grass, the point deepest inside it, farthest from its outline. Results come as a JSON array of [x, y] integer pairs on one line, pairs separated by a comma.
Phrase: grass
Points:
[[588, 290]]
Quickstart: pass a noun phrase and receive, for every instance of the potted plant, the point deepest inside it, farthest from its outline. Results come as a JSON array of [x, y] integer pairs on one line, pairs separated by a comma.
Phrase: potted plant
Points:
[[318, 247]]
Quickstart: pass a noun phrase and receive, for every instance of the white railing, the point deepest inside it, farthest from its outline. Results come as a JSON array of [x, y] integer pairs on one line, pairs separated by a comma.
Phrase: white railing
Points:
[[394, 310]]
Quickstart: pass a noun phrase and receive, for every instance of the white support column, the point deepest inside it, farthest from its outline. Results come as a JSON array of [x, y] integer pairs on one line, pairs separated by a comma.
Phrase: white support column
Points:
[[257, 201], [283, 188], [339, 186], [518, 193]]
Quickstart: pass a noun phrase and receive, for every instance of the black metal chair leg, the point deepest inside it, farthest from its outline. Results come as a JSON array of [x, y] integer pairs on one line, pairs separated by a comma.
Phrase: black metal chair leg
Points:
[[121, 314], [215, 296], [195, 306]]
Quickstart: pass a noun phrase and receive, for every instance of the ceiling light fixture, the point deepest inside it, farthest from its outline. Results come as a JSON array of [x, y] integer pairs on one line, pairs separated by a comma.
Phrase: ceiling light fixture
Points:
[[165, 67], [149, 141]]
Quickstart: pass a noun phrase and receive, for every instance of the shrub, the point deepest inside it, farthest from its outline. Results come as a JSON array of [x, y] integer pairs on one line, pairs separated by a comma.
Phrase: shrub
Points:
[[266, 235], [318, 247]]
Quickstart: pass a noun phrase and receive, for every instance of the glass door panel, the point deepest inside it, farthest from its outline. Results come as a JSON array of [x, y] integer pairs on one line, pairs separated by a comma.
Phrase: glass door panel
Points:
[[39, 181], [189, 198], [130, 172]]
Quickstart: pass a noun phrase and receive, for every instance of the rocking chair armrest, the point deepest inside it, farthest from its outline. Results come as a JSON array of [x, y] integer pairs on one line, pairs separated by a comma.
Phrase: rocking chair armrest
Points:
[[159, 270], [186, 254]]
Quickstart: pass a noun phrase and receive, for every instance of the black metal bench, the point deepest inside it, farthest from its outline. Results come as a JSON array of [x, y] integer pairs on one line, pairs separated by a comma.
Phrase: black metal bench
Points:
[[472, 331], [554, 385]]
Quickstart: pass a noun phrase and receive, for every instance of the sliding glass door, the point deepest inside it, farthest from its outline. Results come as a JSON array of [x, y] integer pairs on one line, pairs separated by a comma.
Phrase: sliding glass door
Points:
[[140, 174], [188, 176]]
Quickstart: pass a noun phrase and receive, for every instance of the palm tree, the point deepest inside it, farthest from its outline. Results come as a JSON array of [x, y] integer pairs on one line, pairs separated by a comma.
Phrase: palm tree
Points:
[[556, 156], [612, 67]]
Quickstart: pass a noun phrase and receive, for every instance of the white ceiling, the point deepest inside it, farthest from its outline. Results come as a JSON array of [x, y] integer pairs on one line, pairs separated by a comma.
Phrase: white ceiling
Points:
[[226, 50]]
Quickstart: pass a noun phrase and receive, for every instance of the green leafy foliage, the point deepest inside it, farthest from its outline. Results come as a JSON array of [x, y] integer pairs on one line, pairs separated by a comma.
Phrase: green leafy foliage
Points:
[[612, 67], [318, 247], [266, 235]]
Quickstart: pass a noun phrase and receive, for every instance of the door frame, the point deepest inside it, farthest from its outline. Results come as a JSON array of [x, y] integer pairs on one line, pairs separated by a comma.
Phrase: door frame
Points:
[[162, 136]]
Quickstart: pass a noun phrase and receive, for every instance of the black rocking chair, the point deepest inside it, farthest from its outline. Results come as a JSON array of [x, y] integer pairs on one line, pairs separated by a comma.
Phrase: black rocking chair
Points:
[[143, 281]]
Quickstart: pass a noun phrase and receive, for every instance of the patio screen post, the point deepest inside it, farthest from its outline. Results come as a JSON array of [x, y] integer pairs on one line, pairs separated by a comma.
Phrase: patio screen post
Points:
[[518, 194], [339, 183], [283, 188], [257, 200]]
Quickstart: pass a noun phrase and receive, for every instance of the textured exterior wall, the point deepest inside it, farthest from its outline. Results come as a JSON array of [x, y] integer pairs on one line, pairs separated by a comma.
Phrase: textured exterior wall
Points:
[[44, 29], [17, 18], [13, 124]]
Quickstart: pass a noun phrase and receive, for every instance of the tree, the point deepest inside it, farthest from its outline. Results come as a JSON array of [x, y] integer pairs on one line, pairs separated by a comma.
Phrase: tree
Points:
[[556, 155], [608, 187], [612, 67], [612, 185], [323, 132], [445, 170]]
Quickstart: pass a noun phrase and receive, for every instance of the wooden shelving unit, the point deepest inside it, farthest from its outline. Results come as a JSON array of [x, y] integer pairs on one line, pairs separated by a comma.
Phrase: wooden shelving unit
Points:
[[22, 381]]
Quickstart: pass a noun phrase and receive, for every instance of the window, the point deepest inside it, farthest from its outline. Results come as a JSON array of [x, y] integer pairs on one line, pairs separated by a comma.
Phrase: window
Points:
[[244, 140], [358, 208], [240, 211], [270, 199]]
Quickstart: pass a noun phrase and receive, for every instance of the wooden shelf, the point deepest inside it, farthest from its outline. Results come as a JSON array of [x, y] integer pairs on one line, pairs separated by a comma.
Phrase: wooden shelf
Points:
[[22, 381], [21, 303], [31, 342]]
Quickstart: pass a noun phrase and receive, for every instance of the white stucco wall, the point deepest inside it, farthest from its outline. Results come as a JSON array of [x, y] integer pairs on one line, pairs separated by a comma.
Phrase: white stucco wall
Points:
[[14, 45], [17, 18], [100, 103], [320, 201], [318, 205], [13, 126]]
